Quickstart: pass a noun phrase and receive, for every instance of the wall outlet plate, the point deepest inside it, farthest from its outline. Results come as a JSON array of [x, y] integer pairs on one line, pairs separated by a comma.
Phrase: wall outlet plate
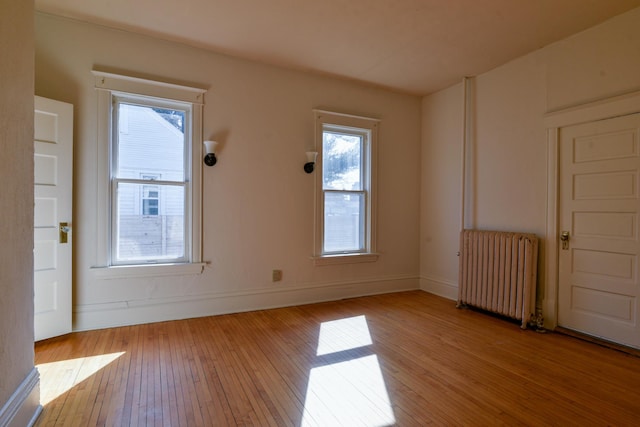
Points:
[[276, 275]]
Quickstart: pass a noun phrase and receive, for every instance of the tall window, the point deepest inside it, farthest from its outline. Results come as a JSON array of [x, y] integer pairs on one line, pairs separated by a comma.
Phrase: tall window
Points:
[[346, 201], [153, 199], [343, 185], [149, 141]]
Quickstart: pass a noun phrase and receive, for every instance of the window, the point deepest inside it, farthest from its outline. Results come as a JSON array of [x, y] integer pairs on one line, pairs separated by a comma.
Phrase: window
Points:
[[150, 200], [148, 132], [345, 227], [148, 143], [150, 197]]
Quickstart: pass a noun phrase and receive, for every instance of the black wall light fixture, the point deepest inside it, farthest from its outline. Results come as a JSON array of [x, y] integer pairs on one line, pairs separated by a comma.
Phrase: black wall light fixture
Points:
[[210, 153], [311, 161]]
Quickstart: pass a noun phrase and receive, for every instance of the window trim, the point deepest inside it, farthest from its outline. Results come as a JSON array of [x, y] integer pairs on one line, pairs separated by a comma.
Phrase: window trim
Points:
[[108, 86], [362, 126]]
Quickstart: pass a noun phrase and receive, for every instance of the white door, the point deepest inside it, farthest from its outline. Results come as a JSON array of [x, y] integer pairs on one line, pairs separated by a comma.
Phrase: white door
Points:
[[598, 291], [53, 158]]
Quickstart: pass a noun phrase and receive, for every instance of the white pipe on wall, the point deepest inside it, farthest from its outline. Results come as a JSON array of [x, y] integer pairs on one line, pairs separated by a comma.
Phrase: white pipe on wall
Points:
[[466, 132], [463, 157]]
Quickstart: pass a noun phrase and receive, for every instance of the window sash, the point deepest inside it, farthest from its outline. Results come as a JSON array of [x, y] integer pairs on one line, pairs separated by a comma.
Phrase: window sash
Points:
[[116, 181], [362, 136], [361, 232], [164, 221], [143, 101], [363, 191]]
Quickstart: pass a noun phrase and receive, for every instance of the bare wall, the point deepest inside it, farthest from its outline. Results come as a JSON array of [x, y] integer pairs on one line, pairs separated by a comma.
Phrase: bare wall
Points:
[[440, 188], [258, 202]]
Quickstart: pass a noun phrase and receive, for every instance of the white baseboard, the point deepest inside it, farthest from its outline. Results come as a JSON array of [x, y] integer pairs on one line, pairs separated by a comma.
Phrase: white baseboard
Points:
[[439, 287], [23, 407], [98, 316]]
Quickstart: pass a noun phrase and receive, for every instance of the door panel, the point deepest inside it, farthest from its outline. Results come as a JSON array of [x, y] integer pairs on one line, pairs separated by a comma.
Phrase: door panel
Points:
[[53, 165], [598, 291]]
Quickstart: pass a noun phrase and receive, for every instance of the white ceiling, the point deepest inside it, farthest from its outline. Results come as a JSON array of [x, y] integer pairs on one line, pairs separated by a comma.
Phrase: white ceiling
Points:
[[414, 46]]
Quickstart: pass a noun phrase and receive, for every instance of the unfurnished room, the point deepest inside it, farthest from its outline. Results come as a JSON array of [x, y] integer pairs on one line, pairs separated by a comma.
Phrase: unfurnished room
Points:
[[338, 213]]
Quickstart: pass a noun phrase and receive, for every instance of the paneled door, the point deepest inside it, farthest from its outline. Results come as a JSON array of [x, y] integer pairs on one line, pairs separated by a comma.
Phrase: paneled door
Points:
[[53, 172], [598, 292]]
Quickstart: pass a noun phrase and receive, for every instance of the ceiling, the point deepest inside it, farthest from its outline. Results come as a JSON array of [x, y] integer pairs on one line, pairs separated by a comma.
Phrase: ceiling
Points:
[[412, 46]]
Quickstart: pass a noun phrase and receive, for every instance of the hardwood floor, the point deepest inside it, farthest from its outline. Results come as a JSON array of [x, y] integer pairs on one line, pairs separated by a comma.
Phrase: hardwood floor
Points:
[[406, 359]]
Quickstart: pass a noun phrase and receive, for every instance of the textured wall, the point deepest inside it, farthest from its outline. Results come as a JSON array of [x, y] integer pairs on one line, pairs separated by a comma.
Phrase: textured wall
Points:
[[16, 194]]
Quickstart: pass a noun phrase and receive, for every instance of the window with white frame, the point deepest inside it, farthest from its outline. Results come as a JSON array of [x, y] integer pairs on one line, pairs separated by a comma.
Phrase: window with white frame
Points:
[[148, 131], [345, 221], [150, 200], [150, 197]]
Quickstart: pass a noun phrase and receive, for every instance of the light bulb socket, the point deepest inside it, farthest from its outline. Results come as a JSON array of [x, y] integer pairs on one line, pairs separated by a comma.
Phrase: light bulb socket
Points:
[[308, 167], [210, 159], [311, 161], [210, 153]]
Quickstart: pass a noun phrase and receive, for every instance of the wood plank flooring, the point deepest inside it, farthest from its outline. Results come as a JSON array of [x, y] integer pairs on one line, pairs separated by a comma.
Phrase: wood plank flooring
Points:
[[405, 359]]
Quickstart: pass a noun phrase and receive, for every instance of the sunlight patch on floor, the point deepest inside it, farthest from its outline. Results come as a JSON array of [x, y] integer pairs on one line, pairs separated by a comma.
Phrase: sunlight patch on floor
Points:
[[56, 378], [351, 392], [343, 334]]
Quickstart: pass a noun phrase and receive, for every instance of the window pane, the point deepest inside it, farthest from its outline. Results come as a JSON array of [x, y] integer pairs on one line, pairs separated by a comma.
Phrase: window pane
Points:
[[152, 235], [149, 207], [341, 161], [150, 142], [150, 197], [343, 222]]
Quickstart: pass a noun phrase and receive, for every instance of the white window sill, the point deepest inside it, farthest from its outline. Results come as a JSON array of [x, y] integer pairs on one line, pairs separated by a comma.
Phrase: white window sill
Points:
[[344, 259], [128, 271]]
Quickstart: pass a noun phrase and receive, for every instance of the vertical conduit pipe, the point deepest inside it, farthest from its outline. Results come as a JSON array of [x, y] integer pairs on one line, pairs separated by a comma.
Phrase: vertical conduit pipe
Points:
[[463, 157], [463, 180]]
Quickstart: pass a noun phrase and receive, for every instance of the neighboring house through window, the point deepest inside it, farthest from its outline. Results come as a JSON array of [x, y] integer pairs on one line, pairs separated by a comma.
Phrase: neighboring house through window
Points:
[[152, 198], [345, 221]]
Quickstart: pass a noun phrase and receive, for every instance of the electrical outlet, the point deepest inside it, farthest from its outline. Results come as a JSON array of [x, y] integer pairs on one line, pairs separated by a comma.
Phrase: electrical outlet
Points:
[[276, 275]]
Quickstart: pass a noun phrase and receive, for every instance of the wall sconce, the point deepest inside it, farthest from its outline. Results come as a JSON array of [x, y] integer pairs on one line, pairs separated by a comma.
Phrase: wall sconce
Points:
[[210, 153], [311, 161]]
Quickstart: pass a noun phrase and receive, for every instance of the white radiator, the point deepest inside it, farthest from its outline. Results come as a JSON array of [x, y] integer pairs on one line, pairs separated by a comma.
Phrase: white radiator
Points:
[[498, 272]]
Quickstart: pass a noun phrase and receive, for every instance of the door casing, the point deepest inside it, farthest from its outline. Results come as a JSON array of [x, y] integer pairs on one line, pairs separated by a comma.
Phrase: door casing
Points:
[[554, 120]]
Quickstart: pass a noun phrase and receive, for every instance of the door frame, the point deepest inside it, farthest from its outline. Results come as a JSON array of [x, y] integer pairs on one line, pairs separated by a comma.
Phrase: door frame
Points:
[[601, 109]]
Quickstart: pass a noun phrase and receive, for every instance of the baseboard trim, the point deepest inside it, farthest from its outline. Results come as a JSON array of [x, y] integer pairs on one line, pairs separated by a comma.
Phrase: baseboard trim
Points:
[[23, 407], [598, 341], [99, 316], [440, 287]]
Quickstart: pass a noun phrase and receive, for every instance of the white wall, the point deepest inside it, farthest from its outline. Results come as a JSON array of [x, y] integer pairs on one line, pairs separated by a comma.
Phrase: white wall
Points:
[[440, 190], [19, 392], [507, 181], [258, 202], [595, 64]]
